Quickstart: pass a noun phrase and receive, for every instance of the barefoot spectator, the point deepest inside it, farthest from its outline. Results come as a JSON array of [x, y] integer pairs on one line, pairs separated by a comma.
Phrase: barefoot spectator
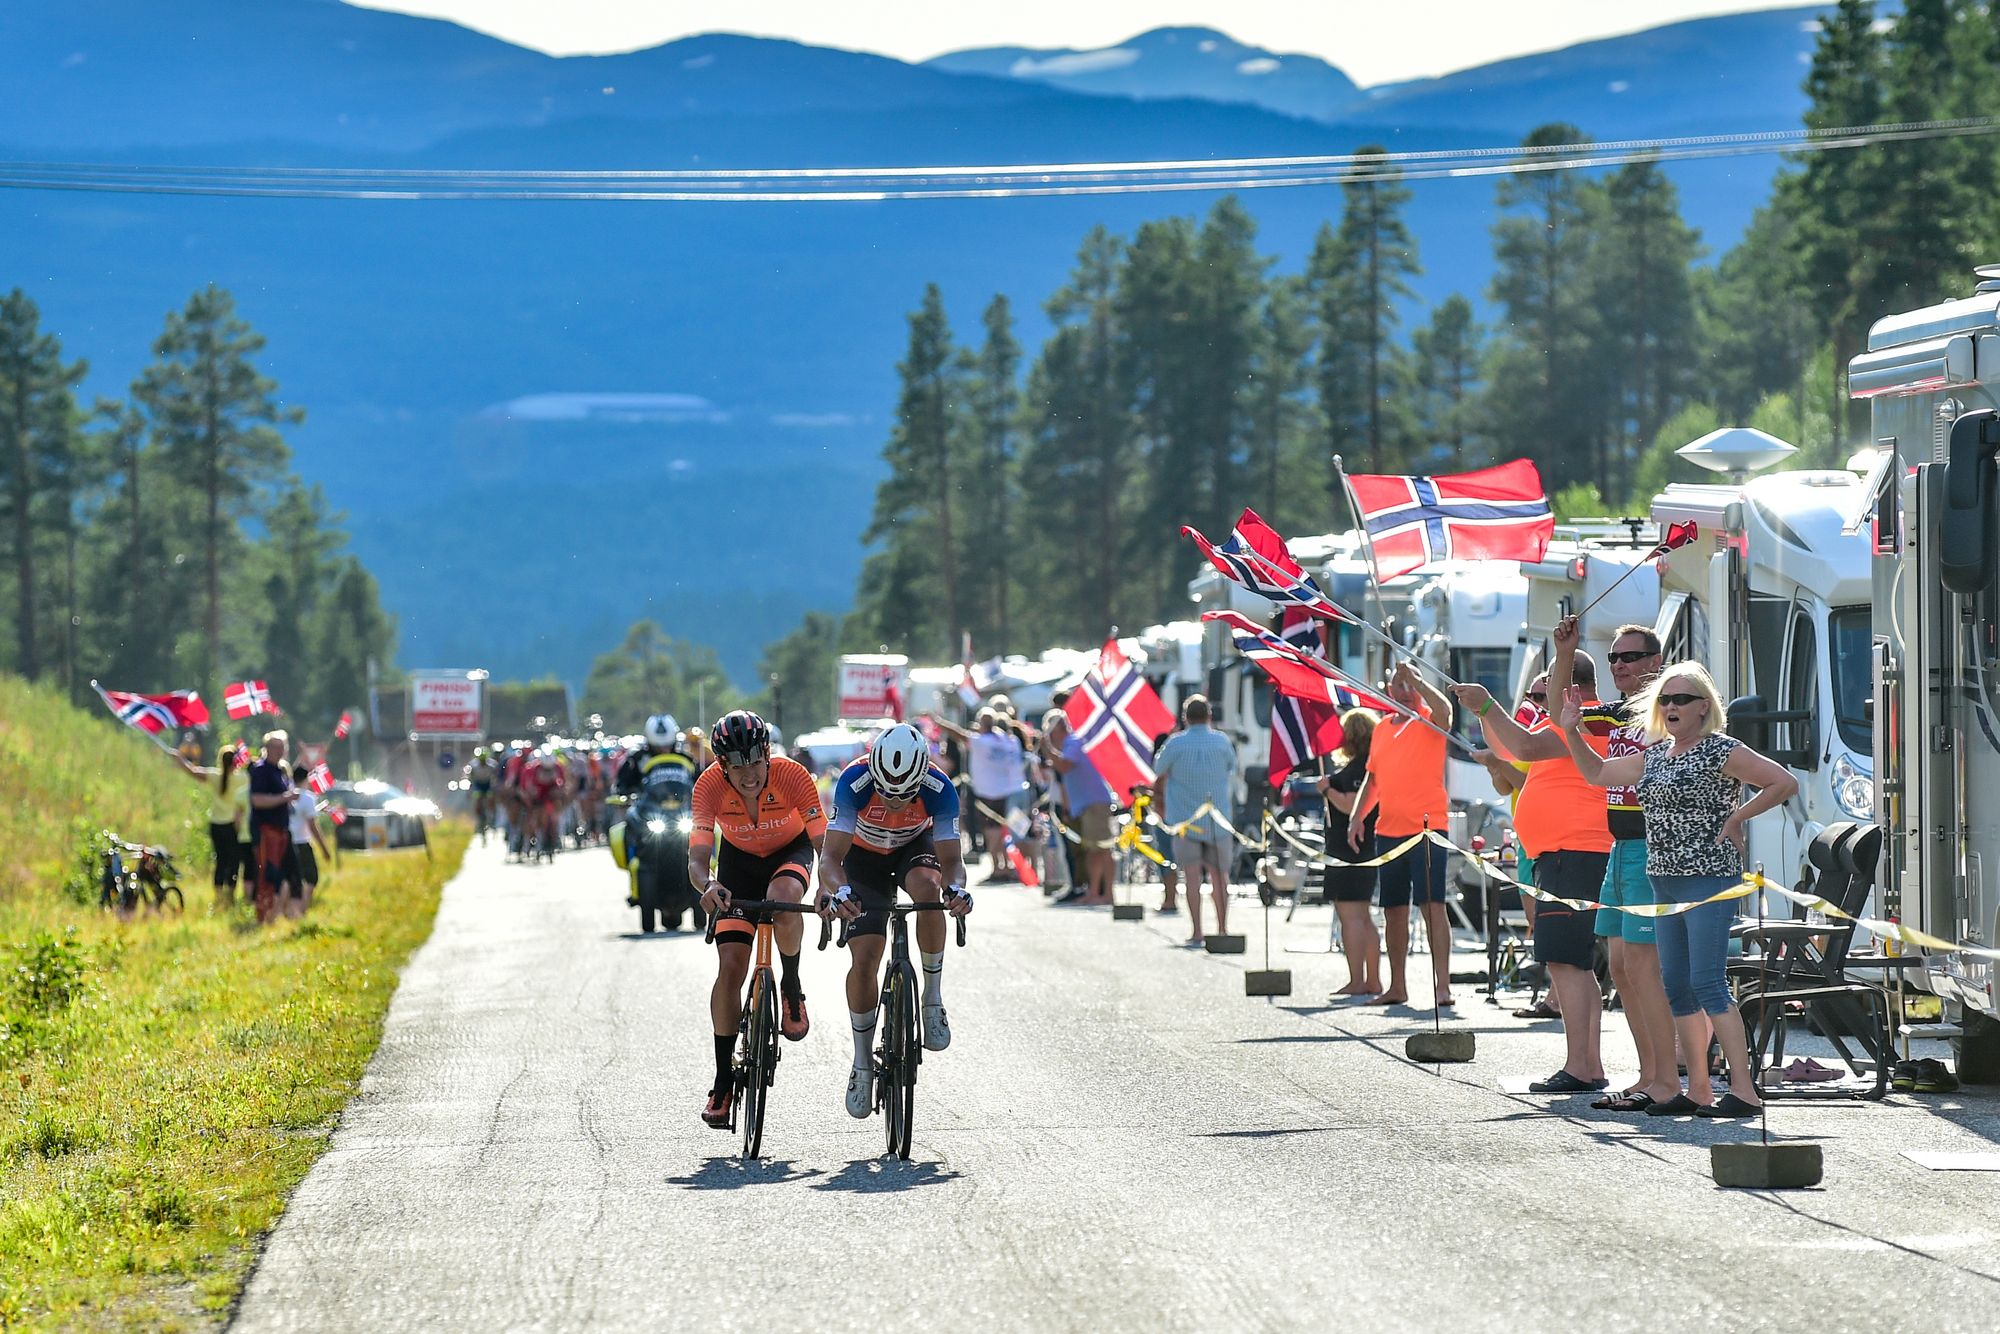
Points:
[[306, 833], [1350, 887], [1561, 823], [271, 870], [1690, 781], [1087, 798], [228, 804], [1197, 770], [1404, 790]]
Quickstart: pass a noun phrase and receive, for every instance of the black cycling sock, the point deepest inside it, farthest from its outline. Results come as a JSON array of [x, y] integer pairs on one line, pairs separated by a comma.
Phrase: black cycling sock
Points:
[[725, 1047], [788, 981]]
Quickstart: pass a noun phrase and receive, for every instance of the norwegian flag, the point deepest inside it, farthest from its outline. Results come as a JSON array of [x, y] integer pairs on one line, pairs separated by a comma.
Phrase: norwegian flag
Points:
[[1116, 715], [320, 779], [1499, 513], [1301, 729], [154, 714], [340, 728], [1297, 672], [1255, 556], [241, 755], [247, 699], [338, 814]]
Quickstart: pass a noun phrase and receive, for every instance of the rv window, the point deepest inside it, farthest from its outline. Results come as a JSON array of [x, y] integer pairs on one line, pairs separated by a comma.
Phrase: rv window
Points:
[[1850, 639], [1260, 700], [1802, 687]]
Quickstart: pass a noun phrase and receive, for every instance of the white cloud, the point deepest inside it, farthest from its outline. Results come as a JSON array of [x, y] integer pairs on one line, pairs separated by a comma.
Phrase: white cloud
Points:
[[576, 407], [1258, 65], [1083, 62], [1617, 86]]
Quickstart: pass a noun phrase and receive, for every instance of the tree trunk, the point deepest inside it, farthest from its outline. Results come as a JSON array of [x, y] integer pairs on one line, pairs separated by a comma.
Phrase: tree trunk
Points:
[[212, 548], [24, 534]]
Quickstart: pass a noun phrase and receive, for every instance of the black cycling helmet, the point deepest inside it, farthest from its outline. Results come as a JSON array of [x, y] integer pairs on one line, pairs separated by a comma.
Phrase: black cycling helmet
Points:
[[740, 738]]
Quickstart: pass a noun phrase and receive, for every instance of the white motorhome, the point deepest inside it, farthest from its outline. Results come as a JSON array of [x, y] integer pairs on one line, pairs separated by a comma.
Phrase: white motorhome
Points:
[[1930, 376], [1585, 564], [1467, 617], [1773, 597]]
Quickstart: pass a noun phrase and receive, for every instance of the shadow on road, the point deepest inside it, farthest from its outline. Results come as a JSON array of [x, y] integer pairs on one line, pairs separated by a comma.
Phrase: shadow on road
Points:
[[729, 1172], [872, 1176], [657, 935], [1275, 1133]]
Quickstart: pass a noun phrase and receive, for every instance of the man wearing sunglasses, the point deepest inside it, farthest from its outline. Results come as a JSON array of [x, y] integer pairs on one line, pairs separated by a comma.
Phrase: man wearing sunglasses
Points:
[[1559, 822]]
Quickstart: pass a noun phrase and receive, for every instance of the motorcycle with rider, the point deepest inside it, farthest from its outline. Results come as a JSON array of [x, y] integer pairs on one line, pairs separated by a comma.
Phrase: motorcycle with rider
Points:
[[655, 789]]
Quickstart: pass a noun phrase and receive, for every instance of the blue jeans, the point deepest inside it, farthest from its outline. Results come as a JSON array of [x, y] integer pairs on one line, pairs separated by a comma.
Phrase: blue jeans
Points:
[[1694, 946]]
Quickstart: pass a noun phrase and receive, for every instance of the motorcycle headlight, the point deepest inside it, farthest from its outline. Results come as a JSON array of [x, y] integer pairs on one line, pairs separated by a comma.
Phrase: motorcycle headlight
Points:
[[1853, 788], [656, 825], [685, 824]]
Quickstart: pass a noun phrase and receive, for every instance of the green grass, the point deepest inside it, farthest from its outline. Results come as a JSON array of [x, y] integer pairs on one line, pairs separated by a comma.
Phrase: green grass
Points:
[[165, 1083]]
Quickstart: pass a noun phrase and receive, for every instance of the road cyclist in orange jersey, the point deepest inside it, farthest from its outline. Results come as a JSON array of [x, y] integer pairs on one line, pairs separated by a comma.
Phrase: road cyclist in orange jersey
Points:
[[758, 816], [895, 826]]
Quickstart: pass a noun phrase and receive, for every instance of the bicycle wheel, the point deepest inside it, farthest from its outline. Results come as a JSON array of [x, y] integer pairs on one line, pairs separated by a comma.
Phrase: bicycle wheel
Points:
[[899, 1065], [759, 1035], [167, 898]]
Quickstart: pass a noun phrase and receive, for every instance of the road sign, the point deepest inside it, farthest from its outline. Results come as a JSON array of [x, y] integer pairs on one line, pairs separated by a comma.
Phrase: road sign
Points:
[[447, 706], [872, 685]]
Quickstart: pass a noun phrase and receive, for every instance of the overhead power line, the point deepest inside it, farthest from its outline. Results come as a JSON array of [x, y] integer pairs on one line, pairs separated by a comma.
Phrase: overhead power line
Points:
[[946, 181]]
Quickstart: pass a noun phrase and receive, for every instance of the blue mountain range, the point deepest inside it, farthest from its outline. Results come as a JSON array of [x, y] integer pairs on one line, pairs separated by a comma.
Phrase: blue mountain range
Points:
[[545, 419]]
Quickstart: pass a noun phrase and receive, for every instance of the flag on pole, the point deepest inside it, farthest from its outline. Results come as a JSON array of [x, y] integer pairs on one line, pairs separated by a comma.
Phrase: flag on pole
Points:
[[1255, 556], [340, 728], [1116, 715], [247, 699], [1498, 513], [320, 779], [154, 714], [1298, 673], [1301, 729], [338, 814]]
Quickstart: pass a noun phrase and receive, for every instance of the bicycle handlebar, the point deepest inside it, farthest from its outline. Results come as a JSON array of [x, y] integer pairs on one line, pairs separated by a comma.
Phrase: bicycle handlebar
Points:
[[902, 908], [752, 907]]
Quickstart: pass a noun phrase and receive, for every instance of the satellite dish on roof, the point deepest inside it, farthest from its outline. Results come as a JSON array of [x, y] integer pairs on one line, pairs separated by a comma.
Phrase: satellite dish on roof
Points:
[[1736, 450]]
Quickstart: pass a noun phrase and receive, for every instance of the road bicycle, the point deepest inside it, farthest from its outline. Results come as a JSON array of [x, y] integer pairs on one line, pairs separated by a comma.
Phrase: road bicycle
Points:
[[901, 1048], [756, 1065], [133, 874]]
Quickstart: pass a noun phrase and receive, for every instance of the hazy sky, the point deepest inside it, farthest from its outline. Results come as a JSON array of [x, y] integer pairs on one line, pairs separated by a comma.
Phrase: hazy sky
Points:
[[1374, 42]]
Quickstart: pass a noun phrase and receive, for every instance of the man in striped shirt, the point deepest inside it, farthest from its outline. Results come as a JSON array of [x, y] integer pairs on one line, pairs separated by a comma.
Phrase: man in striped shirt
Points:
[[1197, 769]]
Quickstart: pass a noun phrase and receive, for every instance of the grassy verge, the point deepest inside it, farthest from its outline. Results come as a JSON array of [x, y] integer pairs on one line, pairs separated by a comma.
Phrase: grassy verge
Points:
[[164, 1084]]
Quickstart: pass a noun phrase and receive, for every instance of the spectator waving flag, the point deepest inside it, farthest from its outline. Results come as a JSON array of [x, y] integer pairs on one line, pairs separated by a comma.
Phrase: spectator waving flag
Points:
[[320, 779], [1116, 715], [247, 699], [1301, 729], [1498, 513], [1255, 556], [1297, 672], [340, 728], [154, 714]]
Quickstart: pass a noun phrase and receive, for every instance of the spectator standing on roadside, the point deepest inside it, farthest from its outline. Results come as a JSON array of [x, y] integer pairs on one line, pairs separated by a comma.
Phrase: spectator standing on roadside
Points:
[[1156, 837], [1088, 800], [1690, 781], [1404, 790], [271, 866], [1562, 825], [1196, 772], [999, 783], [306, 833], [1349, 888], [228, 804]]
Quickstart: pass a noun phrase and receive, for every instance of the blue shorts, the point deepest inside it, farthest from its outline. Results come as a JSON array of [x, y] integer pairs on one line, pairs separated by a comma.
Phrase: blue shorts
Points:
[[1415, 877], [1626, 883]]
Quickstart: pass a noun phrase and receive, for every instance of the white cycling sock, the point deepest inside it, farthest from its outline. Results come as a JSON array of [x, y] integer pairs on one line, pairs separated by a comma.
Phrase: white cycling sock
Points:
[[933, 977], [864, 1037]]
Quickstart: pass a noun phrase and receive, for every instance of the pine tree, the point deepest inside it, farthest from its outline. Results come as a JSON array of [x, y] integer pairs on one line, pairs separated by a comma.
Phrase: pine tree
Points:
[[1357, 274], [214, 420], [1159, 348], [38, 444], [1281, 465], [992, 426], [801, 666], [1752, 340], [353, 641], [1449, 352], [1920, 206]]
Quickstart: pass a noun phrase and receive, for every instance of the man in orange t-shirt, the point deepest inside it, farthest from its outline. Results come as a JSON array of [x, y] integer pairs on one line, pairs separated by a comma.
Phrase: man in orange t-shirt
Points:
[[1405, 788], [1569, 837]]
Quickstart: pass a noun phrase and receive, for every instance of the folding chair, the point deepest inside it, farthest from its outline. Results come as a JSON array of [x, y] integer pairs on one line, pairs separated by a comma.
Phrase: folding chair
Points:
[[1803, 964]]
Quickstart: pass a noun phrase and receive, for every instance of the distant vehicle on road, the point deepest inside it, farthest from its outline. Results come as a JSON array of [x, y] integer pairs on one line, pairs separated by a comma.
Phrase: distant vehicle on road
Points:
[[380, 817]]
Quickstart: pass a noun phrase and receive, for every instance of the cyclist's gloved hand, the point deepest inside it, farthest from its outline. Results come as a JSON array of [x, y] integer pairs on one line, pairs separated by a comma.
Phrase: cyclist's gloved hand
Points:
[[844, 904], [957, 901], [715, 898]]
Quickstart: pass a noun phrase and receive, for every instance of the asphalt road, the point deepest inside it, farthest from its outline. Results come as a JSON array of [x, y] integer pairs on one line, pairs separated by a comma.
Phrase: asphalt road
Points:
[[1117, 1140]]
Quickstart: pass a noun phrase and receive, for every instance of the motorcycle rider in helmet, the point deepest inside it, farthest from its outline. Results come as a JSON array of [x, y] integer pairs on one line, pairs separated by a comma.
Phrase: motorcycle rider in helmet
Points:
[[661, 759]]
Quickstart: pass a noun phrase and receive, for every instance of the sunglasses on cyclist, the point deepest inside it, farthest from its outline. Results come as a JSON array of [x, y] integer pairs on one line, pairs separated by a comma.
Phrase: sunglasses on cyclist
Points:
[[1681, 701], [1633, 655]]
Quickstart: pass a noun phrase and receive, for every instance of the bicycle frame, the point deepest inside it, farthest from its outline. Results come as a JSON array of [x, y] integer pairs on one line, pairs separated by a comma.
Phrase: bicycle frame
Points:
[[901, 1050], [757, 1042]]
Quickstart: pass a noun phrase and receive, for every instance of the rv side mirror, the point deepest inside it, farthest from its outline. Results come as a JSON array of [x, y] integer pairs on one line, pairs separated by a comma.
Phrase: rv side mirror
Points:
[[1750, 722]]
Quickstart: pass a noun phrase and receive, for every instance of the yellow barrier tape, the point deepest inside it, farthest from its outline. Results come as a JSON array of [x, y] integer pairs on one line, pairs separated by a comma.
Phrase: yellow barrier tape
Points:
[[1875, 926], [1749, 886]]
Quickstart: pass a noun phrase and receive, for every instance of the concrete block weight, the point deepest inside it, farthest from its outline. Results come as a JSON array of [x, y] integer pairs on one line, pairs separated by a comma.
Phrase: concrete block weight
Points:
[[1221, 944], [1449, 1046], [1128, 912], [1790, 1166], [1267, 982]]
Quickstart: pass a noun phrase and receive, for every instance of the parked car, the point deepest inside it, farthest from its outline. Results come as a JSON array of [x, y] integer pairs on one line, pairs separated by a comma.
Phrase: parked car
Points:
[[380, 816]]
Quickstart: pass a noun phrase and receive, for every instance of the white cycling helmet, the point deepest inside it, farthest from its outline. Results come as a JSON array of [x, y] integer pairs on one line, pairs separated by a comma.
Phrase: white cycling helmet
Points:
[[898, 759], [662, 731]]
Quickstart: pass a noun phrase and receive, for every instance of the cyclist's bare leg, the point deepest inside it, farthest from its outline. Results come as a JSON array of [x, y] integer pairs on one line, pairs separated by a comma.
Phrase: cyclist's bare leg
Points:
[[926, 885], [790, 927], [725, 1002], [864, 967]]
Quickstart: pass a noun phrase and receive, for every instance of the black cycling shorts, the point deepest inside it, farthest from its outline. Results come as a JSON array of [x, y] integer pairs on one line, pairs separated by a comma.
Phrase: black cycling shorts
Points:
[[748, 876], [876, 876]]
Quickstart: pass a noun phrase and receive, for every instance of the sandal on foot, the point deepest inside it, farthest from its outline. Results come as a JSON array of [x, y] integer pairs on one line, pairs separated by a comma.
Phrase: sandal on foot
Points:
[[1728, 1107], [1678, 1105], [1631, 1102], [1562, 1081], [1539, 1010]]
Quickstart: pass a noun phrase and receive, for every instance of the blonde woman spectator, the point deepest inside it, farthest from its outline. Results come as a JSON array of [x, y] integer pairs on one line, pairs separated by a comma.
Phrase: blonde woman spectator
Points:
[[1690, 781], [228, 804]]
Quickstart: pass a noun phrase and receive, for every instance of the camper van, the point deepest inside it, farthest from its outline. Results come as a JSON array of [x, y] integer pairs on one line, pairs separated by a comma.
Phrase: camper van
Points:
[[1590, 561], [1932, 521], [1773, 597]]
